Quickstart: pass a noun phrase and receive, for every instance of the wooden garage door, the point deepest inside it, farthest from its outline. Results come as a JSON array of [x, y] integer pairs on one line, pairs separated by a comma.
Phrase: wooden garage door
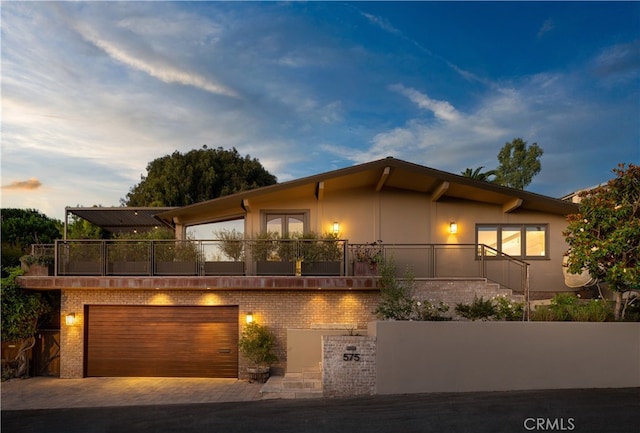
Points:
[[161, 341]]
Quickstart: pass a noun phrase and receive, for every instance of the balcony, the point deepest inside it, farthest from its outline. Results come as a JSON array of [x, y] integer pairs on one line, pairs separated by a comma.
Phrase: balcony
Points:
[[283, 258]]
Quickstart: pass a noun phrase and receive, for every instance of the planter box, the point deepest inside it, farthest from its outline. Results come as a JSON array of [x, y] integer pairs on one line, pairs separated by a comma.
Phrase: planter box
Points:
[[258, 374], [129, 268], [38, 270], [224, 268], [275, 268], [321, 268], [365, 269], [176, 268]]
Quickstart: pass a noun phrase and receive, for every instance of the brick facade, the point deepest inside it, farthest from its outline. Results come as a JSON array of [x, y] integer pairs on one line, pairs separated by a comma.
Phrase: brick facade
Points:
[[279, 310], [348, 365]]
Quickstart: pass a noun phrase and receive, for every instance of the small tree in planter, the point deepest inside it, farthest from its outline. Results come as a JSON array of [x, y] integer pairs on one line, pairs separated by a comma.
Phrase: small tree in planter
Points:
[[256, 344]]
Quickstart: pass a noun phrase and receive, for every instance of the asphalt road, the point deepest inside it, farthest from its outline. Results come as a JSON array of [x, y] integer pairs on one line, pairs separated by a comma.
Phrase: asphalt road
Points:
[[583, 411]]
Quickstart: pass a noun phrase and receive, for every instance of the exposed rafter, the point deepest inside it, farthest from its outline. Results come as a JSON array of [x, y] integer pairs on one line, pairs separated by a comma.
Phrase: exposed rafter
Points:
[[320, 190], [439, 191], [246, 205], [512, 205], [383, 178]]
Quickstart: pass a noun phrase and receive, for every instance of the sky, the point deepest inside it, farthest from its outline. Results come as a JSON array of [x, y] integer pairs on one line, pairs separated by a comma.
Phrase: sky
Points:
[[94, 91]]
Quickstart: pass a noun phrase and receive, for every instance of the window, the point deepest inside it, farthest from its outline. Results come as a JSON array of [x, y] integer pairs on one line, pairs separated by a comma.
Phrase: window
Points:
[[516, 240], [286, 224]]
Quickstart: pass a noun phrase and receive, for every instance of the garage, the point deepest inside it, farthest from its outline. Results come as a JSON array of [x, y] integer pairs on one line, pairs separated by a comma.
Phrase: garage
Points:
[[161, 341]]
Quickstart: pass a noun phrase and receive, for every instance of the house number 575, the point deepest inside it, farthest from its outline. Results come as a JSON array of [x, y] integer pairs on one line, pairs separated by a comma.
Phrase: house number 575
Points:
[[351, 357]]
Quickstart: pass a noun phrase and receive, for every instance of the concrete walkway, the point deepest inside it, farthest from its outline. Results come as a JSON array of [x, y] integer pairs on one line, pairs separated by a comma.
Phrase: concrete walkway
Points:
[[55, 393]]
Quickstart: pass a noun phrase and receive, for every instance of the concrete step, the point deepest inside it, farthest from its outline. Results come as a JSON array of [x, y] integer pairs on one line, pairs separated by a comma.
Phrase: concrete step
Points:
[[292, 385]]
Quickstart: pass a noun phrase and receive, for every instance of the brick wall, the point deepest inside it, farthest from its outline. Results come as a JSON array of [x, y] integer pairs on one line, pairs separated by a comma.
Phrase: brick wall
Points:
[[348, 365], [279, 310]]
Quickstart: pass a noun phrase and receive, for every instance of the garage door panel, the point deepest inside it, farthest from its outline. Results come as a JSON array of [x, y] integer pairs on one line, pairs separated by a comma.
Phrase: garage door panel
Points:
[[169, 341]]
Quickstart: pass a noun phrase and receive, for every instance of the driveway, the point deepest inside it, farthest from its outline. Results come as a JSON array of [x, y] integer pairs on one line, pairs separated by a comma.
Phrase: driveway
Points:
[[160, 408]]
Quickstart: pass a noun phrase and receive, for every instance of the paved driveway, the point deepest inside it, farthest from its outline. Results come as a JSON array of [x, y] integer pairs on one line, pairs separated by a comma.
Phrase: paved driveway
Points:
[[52, 393]]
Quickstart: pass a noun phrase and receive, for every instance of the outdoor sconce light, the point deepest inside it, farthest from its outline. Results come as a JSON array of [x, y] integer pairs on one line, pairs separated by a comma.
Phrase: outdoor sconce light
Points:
[[336, 228], [249, 318], [70, 319], [453, 228]]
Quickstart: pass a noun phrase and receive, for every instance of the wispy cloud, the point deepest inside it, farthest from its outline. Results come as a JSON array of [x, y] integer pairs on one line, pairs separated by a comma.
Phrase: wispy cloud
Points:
[[441, 109], [153, 64], [381, 22], [546, 27], [619, 62], [27, 185]]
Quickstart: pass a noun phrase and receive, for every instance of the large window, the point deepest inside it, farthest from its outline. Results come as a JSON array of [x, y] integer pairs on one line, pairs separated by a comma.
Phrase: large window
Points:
[[517, 240], [286, 224]]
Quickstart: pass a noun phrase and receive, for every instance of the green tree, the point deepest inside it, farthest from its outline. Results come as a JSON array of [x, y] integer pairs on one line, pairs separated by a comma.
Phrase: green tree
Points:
[[198, 175], [604, 236], [22, 228], [21, 311], [519, 163], [478, 174], [79, 228]]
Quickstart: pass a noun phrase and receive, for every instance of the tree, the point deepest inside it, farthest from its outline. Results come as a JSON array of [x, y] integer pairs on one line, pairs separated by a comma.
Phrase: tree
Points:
[[183, 179], [518, 163], [23, 227], [477, 174], [20, 314], [604, 236]]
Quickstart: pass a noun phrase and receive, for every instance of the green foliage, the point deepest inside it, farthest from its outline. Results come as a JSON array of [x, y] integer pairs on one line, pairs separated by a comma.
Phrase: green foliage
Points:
[[22, 228], [477, 174], [20, 309], [604, 236], [567, 307], [518, 163], [232, 243], [395, 295], [315, 248], [183, 179], [79, 228], [479, 309], [429, 311], [256, 344], [499, 307]]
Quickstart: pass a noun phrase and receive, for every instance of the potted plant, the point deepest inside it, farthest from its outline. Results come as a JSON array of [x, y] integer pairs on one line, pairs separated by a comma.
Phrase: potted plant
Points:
[[273, 255], [126, 257], [177, 257], [256, 344], [36, 264], [231, 244], [320, 255], [366, 258]]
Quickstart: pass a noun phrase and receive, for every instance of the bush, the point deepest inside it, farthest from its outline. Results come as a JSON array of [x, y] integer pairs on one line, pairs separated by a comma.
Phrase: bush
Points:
[[567, 307], [497, 308]]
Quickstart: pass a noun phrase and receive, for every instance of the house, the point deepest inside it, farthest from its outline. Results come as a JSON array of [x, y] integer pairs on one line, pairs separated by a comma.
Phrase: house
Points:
[[162, 314]]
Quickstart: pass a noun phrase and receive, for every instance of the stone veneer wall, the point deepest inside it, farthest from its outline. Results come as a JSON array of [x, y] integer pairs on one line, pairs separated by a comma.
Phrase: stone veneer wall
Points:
[[348, 365], [278, 309]]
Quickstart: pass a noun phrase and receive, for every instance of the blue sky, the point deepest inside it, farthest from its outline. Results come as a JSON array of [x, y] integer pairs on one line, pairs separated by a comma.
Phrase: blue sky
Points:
[[92, 92]]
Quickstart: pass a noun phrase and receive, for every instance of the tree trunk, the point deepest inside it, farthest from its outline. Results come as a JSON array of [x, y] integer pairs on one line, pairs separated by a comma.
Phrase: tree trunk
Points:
[[618, 307]]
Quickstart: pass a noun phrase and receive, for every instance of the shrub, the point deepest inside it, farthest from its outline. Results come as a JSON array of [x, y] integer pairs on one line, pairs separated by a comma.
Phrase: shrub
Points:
[[479, 309], [567, 307]]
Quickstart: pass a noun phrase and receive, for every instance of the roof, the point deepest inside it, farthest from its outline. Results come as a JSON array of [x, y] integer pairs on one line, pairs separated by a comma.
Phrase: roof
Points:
[[387, 173], [121, 219]]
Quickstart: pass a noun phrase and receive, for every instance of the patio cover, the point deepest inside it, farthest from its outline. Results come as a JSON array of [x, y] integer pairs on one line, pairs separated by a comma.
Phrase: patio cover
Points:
[[120, 219]]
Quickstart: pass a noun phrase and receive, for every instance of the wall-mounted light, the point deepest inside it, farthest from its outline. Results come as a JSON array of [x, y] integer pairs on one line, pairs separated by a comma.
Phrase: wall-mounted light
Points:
[[249, 317], [453, 228], [70, 319], [336, 227]]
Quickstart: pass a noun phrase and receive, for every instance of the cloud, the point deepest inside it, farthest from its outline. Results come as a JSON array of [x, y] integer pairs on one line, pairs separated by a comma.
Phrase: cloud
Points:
[[546, 27], [382, 23], [30, 184], [619, 62], [441, 109], [153, 64]]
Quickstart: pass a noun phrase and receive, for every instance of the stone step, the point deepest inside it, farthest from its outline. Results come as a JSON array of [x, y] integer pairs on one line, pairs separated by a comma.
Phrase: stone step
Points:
[[291, 386]]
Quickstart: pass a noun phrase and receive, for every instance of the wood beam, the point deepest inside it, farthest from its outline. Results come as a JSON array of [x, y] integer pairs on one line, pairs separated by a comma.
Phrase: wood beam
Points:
[[320, 190], [246, 205], [512, 205], [383, 178], [440, 190]]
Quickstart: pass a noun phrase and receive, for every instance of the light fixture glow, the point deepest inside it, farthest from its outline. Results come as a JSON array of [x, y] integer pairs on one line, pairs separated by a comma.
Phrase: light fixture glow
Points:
[[70, 319], [336, 227], [453, 227], [249, 317]]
